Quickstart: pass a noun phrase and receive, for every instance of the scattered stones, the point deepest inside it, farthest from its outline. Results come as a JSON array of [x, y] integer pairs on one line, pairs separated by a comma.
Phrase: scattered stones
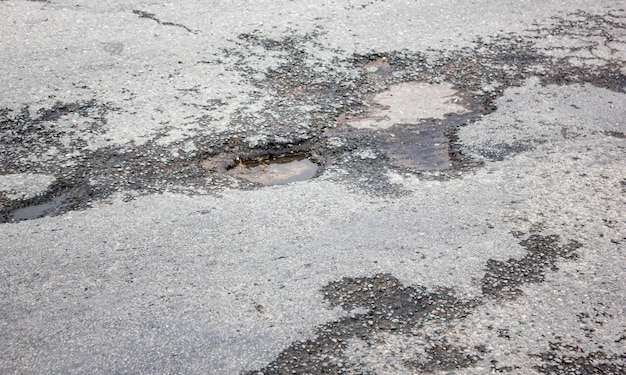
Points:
[[566, 359]]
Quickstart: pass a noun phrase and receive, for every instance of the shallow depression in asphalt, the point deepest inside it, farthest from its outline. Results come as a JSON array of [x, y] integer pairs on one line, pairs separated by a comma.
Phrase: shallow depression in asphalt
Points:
[[423, 147], [38, 210], [407, 102], [279, 171]]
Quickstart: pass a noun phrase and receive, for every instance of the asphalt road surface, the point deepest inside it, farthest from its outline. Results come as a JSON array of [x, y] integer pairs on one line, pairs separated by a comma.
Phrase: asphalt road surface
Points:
[[325, 187]]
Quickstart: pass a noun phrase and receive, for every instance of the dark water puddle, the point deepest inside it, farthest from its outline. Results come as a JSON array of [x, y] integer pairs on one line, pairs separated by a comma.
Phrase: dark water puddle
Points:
[[413, 123], [39, 210], [419, 147], [276, 170], [408, 102]]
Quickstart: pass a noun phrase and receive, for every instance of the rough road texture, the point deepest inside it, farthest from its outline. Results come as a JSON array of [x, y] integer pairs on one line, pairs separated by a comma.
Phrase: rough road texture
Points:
[[467, 215]]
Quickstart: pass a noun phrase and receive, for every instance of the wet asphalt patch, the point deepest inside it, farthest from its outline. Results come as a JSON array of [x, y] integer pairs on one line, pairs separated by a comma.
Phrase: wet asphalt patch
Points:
[[423, 147], [309, 104], [35, 211], [62, 195], [380, 307]]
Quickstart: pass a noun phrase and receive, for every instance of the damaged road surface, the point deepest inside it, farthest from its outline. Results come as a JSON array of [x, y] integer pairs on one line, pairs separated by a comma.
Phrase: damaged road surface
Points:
[[356, 187]]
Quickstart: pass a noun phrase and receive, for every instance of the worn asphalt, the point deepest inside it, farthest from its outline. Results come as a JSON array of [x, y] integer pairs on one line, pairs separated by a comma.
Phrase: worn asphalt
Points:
[[324, 187]]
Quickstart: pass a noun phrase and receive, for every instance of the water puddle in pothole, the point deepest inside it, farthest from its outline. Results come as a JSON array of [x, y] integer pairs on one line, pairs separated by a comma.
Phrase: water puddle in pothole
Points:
[[408, 102], [39, 210], [276, 170], [422, 147], [408, 121]]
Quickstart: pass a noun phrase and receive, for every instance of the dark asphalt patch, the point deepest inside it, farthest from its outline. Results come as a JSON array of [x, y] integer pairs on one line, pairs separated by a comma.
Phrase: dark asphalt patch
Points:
[[563, 359], [391, 306], [615, 134], [501, 151], [503, 279], [382, 304], [25, 137]]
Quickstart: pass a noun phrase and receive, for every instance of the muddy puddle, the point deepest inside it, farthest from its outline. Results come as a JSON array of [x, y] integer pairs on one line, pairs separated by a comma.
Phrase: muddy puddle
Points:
[[421, 147], [409, 122], [406, 103], [36, 211], [278, 170]]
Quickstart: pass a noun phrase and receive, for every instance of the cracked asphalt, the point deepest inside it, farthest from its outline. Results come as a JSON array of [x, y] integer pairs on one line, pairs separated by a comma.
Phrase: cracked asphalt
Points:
[[329, 187]]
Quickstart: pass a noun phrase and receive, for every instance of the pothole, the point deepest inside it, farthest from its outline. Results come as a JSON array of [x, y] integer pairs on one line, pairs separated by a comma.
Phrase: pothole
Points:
[[360, 117], [275, 170], [37, 211], [410, 121], [422, 147], [407, 102]]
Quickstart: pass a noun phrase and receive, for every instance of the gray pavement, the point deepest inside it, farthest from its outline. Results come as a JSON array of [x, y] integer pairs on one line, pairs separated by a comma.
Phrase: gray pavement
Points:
[[467, 214]]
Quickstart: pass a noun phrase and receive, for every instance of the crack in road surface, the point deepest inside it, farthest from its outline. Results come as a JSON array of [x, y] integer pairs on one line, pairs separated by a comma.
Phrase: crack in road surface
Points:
[[152, 16]]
